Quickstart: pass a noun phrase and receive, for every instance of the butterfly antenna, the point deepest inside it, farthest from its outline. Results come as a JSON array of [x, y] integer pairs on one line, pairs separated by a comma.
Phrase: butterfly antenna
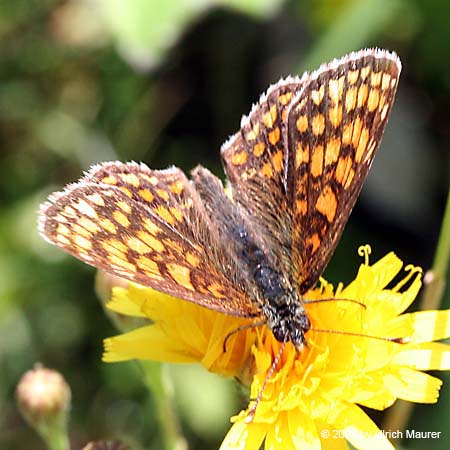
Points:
[[333, 299], [251, 413], [399, 340]]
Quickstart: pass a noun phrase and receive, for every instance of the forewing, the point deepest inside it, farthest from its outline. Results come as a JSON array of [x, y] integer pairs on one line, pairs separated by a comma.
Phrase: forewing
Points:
[[334, 129], [256, 162], [147, 226]]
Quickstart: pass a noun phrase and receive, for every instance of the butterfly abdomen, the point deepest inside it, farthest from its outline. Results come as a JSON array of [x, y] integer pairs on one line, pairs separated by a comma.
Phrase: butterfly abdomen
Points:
[[280, 306], [267, 279]]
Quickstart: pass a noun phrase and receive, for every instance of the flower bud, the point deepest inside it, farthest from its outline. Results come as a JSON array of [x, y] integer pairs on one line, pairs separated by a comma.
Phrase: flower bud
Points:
[[44, 397]]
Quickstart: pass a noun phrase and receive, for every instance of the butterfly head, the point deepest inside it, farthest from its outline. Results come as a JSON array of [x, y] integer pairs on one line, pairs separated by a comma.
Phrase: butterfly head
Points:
[[288, 321]]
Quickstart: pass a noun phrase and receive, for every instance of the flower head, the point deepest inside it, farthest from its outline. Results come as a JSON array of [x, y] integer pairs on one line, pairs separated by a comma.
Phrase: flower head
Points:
[[361, 351]]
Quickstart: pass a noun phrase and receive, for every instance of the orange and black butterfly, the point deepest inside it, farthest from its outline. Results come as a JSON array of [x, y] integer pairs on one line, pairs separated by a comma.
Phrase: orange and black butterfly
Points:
[[294, 172]]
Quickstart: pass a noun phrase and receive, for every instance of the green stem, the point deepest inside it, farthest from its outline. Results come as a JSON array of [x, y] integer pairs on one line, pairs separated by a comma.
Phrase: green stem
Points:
[[54, 434], [162, 393], [436, 278], [435, 283]]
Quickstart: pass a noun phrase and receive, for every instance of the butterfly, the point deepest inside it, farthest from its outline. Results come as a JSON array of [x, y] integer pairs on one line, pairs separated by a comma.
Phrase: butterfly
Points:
[[255, 247]]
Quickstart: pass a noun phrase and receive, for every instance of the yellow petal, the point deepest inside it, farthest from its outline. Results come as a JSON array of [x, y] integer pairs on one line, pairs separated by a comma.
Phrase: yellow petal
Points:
[[124, 302], [360, 430], [430, 325], [412, 385], [303, 431], [135, 345], [427, 356], [386, 268], [395, 328], [330, 438], [333, 442], [407, 297], [242, 436], [372, 393], [278, 436], [162, 307], [374, 278], [386, 303], [238, 347]]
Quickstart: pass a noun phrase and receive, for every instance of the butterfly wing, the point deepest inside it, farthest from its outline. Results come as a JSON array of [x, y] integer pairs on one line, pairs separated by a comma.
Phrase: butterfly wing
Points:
[[150, 227], [334, 127], [300, 159]]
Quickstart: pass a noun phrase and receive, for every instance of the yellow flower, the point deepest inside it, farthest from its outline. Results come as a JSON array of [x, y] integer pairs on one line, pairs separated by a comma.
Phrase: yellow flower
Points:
[[361, 351]]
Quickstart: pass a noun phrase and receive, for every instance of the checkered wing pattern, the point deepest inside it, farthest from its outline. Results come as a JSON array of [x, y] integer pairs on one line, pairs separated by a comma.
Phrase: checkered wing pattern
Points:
[[150, 227], [334, 129], [301, 157]]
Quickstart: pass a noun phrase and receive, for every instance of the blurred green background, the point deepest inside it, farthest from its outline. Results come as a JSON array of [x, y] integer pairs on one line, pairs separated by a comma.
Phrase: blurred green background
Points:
[[166, 83]]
